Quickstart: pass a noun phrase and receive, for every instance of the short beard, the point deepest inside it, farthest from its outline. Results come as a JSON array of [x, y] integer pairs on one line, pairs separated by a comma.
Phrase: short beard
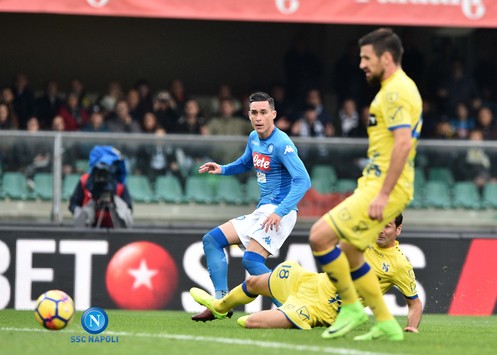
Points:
[[374, 80]]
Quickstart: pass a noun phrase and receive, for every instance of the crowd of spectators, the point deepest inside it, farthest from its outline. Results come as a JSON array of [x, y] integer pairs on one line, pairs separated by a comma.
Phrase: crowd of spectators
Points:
[[459, 103]]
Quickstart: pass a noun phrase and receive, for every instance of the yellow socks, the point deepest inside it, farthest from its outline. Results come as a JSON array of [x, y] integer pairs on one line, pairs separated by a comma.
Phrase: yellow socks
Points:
[[237, 296], [366, 283], [336, 265]]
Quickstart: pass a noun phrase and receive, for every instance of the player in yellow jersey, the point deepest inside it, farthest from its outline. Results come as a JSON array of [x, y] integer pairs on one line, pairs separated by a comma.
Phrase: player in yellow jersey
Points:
[[305, 295], [338, 239]]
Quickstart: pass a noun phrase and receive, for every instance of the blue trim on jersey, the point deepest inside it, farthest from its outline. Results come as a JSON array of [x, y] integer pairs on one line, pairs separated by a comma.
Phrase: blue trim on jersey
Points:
[[329, 257], [363, 270], [393, 128], [412, 297], [244, 288], [219, 236]]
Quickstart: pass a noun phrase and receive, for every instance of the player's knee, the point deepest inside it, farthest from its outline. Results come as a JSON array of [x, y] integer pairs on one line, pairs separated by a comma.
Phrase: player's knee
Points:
[[321, 236], [251, 283], [214, 239], [254, 263]]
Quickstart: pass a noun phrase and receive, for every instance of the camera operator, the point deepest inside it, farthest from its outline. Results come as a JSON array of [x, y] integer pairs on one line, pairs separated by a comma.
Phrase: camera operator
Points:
[[101, 199]]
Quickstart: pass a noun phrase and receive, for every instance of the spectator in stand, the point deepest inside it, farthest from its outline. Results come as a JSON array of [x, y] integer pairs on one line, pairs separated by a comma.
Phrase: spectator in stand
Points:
[[154, 160], [95, 124], [443, 130], [313, 98], [310, 126], [475, 163], [227, 123], [361, 130], [146, 101], [135, 109], [283, 108], [75, 116], [7, 120], [430, 120], [348, 116], [462, 122], [121, 121], [77, 86], [486, 123], [149, 123], [224, 92], [114, 93], [165, 111], [192, 121], [24, 100], [486, 72], [48, 105], [179, 94]]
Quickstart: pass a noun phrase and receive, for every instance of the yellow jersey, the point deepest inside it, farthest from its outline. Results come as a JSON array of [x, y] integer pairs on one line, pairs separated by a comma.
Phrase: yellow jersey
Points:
[[397, 104], [393, 269]]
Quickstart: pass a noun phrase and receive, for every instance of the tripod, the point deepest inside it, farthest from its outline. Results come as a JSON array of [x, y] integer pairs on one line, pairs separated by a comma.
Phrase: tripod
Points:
[[106, 205]]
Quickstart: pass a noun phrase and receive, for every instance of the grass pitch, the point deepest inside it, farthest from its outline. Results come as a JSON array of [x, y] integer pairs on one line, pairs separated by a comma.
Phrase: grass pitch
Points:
[[171, 333]]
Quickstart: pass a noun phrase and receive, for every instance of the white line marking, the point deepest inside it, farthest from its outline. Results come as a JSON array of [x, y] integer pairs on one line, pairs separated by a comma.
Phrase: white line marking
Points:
[[231, 341]]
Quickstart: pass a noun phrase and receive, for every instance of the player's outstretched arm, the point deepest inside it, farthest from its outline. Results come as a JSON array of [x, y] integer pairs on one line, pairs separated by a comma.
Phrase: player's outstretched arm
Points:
[[414, 315]]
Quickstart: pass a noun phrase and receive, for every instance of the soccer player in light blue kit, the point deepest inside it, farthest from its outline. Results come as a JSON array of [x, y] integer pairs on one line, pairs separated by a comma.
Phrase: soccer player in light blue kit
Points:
[[283, 181]]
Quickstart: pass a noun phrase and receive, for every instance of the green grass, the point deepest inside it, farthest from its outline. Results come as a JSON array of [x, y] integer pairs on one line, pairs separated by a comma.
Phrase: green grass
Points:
[[170, 333]]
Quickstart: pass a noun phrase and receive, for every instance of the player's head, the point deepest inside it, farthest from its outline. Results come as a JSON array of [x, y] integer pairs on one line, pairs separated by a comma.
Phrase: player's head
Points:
[[380, 50], [390, 232], [262, 113]]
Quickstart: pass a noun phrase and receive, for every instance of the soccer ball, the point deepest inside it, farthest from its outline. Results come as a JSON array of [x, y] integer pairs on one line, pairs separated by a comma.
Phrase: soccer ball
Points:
[[54, 310]]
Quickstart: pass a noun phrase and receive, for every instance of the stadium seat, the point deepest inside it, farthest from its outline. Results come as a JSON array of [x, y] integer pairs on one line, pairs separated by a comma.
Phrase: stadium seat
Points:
[[466, 195], [168, 189], [418, 199], [82, 166], [437, 195], [345, 185], [69, 184], [323, 178], [139, 189], [489, 198], [252, 191], [419, 179], [43, 186], [15, 187], [229, 190], [199, 189], [441, 174]]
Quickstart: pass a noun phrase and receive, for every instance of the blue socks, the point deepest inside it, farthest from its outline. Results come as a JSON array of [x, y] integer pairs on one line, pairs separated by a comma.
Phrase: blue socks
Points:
[[255, 264], [214, 243]]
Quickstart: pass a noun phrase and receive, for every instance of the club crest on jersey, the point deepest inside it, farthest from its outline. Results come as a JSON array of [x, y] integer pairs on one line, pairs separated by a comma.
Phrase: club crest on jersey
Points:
[[261, 161], [270, 148], [288, 149]]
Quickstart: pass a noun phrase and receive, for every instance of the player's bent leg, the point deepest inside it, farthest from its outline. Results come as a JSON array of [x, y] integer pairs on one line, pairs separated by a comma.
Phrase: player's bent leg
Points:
[[387, 330], [269, 319]]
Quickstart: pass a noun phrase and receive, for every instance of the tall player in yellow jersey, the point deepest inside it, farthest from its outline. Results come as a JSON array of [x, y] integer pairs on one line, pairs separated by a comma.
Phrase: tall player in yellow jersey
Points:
[[305, 295], [338, 239]]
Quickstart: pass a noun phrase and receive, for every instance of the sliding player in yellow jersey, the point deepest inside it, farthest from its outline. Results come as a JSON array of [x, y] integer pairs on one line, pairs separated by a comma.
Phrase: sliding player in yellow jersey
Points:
[[305, 295], [338, 239]]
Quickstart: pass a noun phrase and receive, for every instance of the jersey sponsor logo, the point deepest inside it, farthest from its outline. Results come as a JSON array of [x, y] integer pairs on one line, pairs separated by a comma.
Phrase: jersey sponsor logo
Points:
[[288, 149], [261, 161], [372, 120]]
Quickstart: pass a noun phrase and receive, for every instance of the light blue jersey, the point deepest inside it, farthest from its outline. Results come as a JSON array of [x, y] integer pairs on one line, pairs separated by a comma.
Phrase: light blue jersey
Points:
[[282, 176]]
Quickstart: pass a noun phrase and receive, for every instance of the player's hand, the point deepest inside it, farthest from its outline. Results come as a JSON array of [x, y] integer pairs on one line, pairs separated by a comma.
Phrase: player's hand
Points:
[[411, 330], [377, 207], [211, 168], [272, 222]]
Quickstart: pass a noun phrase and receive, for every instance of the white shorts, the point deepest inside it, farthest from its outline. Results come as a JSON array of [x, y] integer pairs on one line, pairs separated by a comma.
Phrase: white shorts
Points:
[[249, 227]]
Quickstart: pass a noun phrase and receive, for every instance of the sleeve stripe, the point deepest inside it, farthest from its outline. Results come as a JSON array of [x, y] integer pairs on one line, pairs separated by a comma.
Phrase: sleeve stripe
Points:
[[399, 126], [412, 297]]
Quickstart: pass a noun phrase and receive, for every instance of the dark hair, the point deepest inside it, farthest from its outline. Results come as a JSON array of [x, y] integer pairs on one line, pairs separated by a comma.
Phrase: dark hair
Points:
[[384, 40], [262, 96], [398, 220]]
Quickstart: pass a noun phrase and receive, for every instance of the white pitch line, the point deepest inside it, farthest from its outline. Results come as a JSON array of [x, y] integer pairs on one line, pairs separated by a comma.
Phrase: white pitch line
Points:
[[231, 341]]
